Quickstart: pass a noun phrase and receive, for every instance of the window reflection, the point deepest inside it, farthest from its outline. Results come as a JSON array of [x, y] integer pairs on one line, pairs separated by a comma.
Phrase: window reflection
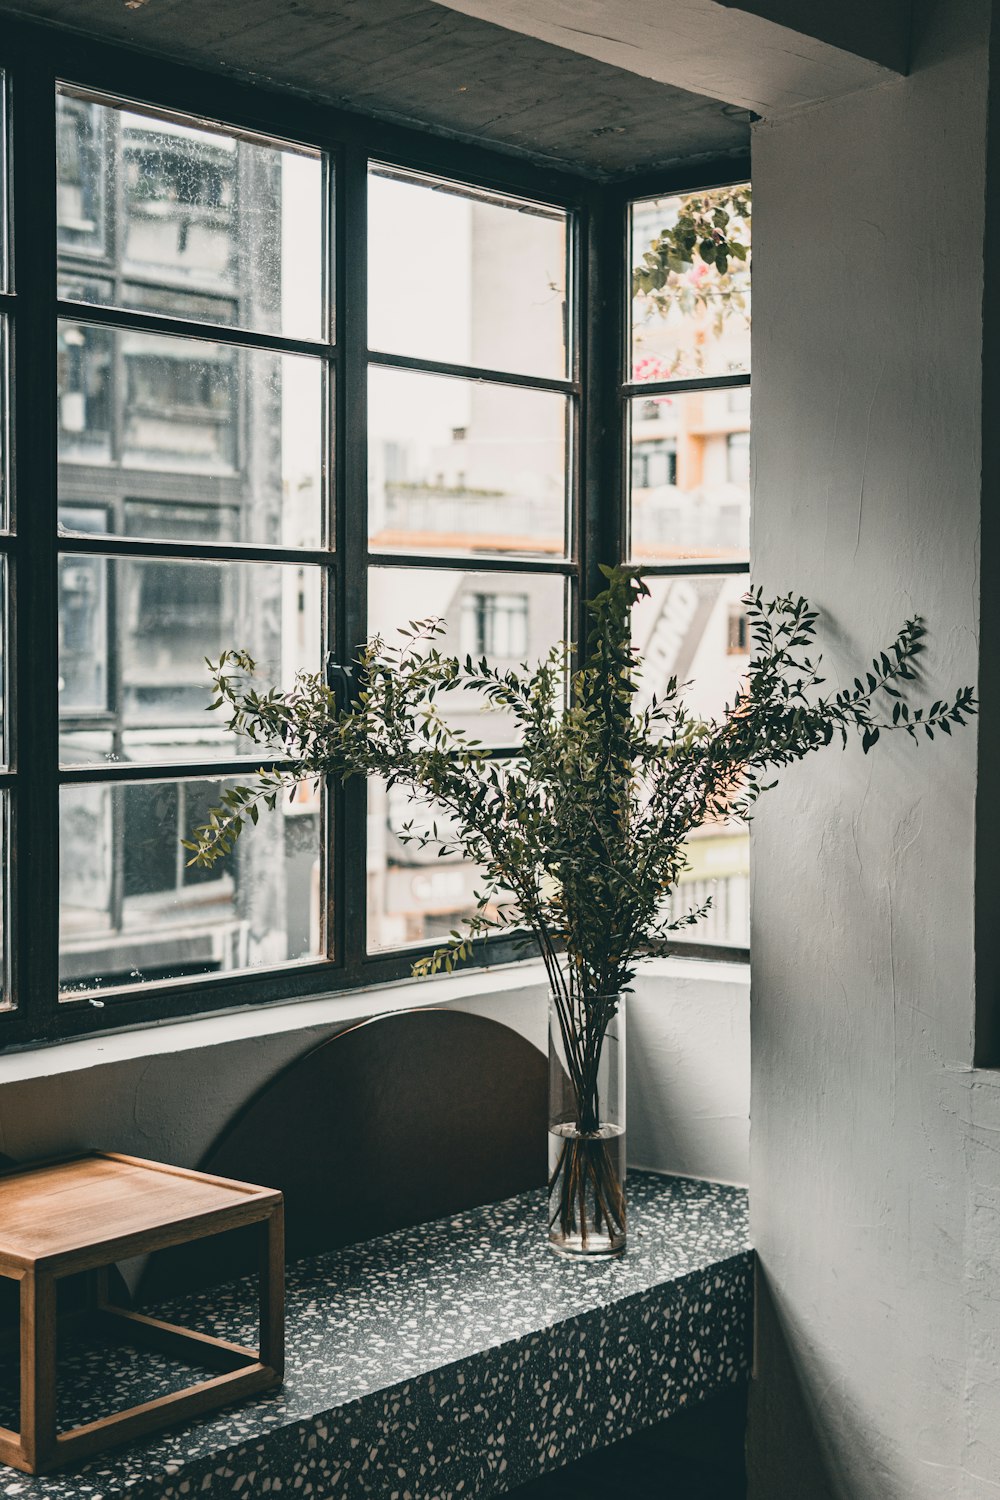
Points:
[[180, 403], [690, 317], [180, 199], [482, 280], [167, 439], [80, 175], [133, 910], [134, 635], [464, 466], [83, 648], [696, 629], [209, 224], [690, 477], [196, 422]]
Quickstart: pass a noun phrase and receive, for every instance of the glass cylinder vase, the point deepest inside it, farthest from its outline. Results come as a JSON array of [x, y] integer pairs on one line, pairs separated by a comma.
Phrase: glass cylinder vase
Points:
[[587, 1125]]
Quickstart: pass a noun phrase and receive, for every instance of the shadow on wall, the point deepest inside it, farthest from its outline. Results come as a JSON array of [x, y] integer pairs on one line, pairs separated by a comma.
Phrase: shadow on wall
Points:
[[397, 1121], [781, 1428]]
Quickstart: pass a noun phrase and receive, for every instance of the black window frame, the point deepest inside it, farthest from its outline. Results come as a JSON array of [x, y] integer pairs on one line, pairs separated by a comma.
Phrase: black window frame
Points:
[[34, 60]]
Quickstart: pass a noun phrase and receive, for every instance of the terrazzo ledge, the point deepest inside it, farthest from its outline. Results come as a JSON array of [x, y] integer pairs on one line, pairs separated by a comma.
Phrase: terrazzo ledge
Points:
[[455, 1359]]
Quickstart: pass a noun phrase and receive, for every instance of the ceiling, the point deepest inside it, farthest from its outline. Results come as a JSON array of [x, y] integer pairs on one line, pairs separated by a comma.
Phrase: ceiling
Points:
[[415, 62]]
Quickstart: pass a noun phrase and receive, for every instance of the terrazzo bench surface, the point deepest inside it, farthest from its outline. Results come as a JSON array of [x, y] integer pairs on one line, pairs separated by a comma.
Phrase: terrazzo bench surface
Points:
[[458, 1358]]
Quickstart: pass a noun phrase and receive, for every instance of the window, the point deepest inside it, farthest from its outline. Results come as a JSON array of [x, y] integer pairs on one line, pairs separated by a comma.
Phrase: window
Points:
[[654, 463], [687, 396], [185, 438], [739, 632], [495, 625], [296, 393], [467, 471]]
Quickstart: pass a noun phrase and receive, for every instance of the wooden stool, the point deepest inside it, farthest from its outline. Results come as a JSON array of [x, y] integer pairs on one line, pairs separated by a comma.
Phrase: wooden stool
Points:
[[83, 1214]]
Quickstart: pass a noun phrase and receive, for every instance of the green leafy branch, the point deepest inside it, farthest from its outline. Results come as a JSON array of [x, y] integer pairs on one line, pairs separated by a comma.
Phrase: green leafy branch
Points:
[[581, 837], [700, 261]]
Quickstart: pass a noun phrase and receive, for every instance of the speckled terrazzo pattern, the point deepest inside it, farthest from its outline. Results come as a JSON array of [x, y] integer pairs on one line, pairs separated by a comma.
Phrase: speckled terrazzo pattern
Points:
[[459, 1358]]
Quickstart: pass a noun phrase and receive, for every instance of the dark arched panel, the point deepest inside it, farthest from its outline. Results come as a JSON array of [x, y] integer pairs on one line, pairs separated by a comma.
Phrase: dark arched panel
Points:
[[400, 1120]]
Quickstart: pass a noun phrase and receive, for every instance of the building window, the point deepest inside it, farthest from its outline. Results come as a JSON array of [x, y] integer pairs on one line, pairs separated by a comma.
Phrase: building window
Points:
[[81, 175], [654, 463], [739, 633], [495, 625], [250, 452]]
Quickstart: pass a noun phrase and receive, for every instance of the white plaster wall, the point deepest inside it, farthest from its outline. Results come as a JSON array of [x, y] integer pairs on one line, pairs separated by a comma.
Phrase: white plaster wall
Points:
[[875, 1170], [167, 1092], [689, 1070]]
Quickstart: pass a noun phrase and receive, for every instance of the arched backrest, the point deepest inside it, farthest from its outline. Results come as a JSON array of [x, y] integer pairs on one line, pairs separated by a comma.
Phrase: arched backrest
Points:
[[397, 1121]]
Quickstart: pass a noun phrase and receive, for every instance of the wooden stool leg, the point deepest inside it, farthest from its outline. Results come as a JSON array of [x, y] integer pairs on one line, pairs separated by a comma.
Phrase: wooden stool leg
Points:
[[38, 1368], [272, 1291]]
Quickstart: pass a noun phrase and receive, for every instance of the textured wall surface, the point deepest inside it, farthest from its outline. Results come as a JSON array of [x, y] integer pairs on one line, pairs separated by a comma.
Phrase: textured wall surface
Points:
[[875, 1170]]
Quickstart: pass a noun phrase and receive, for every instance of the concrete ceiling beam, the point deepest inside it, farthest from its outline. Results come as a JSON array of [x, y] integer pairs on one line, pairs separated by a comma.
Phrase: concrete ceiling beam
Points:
[[763, 55]]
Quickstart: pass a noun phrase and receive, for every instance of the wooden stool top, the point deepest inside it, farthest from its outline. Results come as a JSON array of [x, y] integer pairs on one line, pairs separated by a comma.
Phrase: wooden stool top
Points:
[[87, 1210]]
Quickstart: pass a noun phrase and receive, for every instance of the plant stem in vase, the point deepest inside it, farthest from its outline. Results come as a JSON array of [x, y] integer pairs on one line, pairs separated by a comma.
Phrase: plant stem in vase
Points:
[[587, 1124]]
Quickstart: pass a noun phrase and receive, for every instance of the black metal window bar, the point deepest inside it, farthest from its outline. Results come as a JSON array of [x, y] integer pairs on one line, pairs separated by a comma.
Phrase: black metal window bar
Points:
[[75, 543]]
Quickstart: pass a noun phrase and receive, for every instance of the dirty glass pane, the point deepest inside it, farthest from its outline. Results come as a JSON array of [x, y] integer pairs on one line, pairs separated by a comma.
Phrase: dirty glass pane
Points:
[[464, 466], [464, 277], [179, 423], [134, 635], [690, 274], [132, 910], [509, 618], [689, 476], [235, 222]]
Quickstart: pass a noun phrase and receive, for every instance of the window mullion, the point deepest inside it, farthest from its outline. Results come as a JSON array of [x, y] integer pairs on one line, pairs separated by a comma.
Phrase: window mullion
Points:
[[350, 803], [603, 493], [36, 923]]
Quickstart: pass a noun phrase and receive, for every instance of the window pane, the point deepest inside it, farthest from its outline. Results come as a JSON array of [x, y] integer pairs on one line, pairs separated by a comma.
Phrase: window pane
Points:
[[690, 316], [464, 466], [174, 423], [134, 635], [5, 873], [205, 212], [718, 871], [690, 476], [133, 911], [696, 629], [5, 224], [413, 896], [5, 490], [506, 617], [4, 631], [459, 276]]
